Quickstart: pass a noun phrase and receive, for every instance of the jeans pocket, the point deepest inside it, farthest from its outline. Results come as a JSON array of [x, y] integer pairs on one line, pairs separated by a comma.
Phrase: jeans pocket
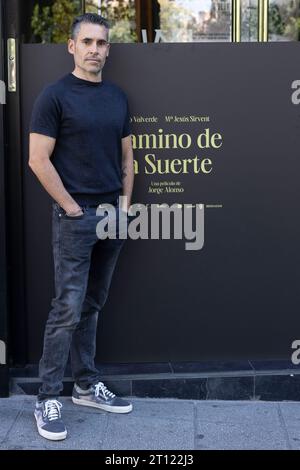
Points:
[[73, 217], [62, 213]]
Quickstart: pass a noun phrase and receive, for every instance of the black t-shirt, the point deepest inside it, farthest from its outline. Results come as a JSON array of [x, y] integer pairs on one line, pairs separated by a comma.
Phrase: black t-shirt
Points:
[[88, 121]]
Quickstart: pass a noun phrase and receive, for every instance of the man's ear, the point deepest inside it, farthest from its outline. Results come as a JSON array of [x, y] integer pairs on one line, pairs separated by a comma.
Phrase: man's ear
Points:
[[107, 53], [71, 45]]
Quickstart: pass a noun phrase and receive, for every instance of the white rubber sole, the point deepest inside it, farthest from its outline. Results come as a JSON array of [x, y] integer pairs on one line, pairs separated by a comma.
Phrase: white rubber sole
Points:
[[111, 409], [50, 435]]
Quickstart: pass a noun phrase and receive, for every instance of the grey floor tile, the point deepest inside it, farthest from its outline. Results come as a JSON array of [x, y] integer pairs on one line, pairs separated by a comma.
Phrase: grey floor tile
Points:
[[163, 408], [242, 413], [291, 413], [293, 432], [153, 433], [221, 436], [9, 411], [84, 432], [158, 424], [291, 416]]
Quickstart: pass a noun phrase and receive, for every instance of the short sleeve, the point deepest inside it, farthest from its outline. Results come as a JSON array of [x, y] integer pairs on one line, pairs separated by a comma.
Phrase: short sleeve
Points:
[[46, 114], [126, 126]]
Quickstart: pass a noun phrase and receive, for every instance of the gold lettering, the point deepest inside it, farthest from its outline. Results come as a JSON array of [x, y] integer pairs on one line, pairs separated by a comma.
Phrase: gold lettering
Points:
[[206, 161], [209, 141], [176, 165], [214, 137], [136, 167], [152, 165]]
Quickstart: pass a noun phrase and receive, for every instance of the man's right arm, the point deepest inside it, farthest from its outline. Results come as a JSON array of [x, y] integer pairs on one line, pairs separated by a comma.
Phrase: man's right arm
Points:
[[40, 151]]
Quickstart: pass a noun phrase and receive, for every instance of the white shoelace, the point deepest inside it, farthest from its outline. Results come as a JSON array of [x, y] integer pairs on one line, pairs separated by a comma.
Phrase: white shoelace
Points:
[[52, 409], [100, 387]]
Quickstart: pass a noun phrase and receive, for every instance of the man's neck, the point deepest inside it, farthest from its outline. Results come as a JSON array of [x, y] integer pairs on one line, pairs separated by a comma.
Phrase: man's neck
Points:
[[91, 77]]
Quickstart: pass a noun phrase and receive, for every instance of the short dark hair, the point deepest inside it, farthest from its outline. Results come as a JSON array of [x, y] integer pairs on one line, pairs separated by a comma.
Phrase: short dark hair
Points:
[[88, 18]]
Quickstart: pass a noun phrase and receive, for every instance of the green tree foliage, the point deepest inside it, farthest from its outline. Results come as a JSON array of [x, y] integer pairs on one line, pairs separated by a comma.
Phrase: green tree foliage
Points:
[[176, 22], [284, 19], [53, 23], [42, 24], [121, 16], [276, 25]]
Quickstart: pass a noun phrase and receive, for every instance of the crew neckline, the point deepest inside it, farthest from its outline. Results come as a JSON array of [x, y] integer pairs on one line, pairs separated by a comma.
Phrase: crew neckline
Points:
[[83, 81]]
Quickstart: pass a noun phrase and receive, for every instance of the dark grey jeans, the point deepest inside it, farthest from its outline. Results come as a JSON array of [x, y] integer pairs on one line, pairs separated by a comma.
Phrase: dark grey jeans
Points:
[[84, 266]]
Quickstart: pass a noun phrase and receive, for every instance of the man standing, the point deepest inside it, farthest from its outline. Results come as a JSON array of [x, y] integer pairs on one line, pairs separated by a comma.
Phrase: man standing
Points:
[[81, 152]]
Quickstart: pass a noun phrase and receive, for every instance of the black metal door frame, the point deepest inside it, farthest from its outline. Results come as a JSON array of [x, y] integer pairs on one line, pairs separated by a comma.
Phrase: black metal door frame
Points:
[[17, 325], [4, 376]]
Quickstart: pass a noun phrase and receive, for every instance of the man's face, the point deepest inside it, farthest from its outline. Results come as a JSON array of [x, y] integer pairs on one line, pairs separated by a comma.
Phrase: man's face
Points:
[[90, 48]]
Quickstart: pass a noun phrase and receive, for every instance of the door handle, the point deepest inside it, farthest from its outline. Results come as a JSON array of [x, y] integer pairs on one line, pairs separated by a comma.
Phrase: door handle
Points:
[[236, 21], [263, 21], [11, 64]]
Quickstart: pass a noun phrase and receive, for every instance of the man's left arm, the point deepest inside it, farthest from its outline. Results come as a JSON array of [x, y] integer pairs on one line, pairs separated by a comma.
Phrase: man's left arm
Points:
[[127, 170]]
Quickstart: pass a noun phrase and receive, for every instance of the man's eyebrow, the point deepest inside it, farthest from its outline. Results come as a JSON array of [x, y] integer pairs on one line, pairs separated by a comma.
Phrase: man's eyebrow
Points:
[[90, 39]]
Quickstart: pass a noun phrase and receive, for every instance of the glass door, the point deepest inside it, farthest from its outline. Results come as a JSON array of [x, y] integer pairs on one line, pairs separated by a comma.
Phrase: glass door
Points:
[[48, 21]]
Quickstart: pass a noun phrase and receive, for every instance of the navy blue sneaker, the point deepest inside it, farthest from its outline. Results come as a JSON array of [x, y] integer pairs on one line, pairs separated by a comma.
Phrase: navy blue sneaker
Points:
[[98, 396], [48, 419]]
